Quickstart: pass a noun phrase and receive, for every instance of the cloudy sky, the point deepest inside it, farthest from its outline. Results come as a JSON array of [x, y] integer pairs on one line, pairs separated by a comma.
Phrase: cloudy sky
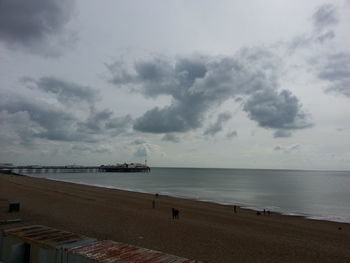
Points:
[[186, 83]]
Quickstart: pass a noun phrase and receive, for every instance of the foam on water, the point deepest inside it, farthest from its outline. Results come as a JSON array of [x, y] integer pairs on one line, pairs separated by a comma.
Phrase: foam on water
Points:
[[339, 219]]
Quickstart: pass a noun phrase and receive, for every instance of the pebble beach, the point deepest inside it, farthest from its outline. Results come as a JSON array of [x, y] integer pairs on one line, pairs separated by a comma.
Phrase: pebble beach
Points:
[[203, 231]]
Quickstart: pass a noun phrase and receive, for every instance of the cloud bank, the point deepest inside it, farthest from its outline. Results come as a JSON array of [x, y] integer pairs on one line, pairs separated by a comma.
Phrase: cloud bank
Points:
[[323, 19], [60, 118], [197, 84], [217, 126], [65, 92], [35, 25], [336, 71]]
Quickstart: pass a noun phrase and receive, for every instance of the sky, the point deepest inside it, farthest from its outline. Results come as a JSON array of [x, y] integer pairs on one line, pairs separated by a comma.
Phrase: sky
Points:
[[222, 84]]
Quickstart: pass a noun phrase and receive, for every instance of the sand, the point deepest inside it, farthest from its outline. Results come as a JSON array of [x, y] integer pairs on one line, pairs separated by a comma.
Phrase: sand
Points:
[[205, 231]]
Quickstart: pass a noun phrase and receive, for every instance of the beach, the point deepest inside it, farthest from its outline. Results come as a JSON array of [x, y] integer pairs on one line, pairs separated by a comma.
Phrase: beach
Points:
[[204, 231]]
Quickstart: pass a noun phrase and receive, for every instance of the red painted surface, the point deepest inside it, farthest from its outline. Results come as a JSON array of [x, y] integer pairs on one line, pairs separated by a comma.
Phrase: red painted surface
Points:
[[108, 251]]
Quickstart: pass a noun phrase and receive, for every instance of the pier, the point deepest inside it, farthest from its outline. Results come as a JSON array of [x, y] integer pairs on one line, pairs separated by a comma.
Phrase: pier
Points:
[[34, 169]]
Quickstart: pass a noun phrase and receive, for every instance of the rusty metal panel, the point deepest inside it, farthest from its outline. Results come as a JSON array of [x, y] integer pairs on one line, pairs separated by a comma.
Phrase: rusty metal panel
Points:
[[108, 251], [46, 236]]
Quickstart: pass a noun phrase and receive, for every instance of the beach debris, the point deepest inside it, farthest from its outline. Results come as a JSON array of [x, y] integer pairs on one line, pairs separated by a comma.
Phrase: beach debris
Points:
[[14, 207]]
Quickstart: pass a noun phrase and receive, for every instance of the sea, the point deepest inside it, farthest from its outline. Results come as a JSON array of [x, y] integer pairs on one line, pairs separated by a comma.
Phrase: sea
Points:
[[322, 195]]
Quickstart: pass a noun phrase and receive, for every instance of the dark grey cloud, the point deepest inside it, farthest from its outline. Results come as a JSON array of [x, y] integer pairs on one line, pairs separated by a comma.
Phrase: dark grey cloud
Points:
[[119, 125], [325, 16], [28, 119], [277, 148], [64, 91], [71, 95], [97, 121], [33, 23], [198, 83], [307, 40], [276, 110], [217, 126], [51, 123], [336, 70], [17, 128], [231, 134], [169, 119], [324, 19], [171, 138], [328, 35], [288, 149], [138, 142], [103, 122]]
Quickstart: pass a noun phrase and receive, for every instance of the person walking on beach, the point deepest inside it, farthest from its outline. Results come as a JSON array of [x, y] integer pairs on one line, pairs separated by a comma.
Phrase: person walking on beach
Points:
[[235, 208], [175, 213]]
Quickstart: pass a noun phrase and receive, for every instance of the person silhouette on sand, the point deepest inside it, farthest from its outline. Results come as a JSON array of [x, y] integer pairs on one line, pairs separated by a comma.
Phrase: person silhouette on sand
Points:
[[175, 213]]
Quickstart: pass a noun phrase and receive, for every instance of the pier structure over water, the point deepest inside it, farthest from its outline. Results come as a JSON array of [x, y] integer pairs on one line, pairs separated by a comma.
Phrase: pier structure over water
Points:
[[31, 169]]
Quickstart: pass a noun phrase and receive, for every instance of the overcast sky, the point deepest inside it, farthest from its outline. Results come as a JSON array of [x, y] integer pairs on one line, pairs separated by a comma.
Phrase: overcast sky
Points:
[[186, 83]]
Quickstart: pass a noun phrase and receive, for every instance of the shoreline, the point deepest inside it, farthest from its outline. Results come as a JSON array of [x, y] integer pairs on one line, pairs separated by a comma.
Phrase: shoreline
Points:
[[328, 218], [205, 231]]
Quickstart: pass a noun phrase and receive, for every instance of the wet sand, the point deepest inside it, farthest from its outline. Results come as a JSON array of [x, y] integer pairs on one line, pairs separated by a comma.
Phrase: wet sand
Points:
[[205, 231]]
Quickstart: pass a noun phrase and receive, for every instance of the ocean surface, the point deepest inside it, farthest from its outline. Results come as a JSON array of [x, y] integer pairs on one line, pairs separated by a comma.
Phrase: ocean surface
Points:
[[313, 194]]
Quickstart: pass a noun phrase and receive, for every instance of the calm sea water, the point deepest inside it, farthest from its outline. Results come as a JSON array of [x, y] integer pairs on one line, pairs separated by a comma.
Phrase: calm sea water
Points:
[[314, 194]]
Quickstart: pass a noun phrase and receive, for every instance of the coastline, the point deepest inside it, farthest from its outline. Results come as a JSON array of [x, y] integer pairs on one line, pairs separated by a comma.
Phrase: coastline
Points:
[[206, 231], [277, 210]]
